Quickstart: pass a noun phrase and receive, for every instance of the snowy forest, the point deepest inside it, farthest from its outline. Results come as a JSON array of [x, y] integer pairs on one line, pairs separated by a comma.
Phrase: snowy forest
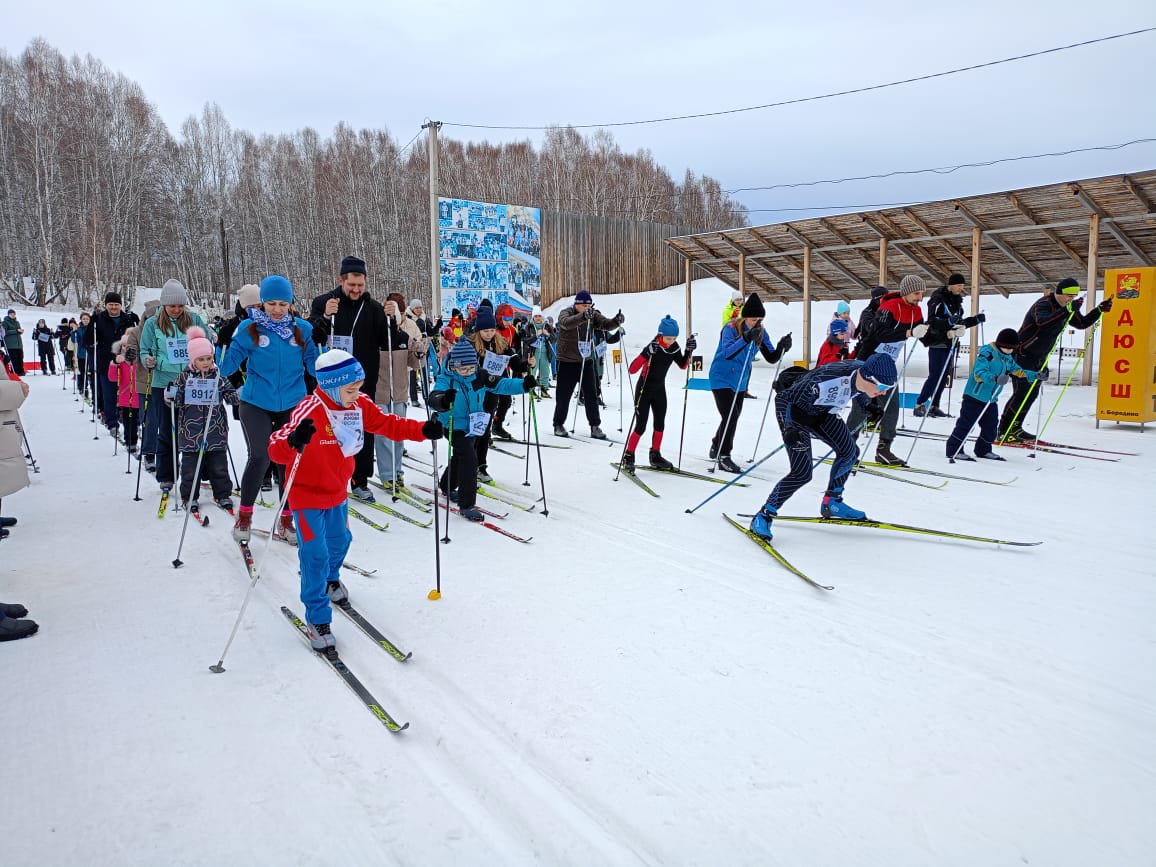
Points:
[[96, 193]]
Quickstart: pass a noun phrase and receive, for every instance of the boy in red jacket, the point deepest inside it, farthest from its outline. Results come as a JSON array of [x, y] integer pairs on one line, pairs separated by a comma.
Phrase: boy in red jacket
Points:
[[343, 415]]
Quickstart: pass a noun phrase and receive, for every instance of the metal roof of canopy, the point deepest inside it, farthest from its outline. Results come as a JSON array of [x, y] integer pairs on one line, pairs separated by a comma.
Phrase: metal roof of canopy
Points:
[[1026, 239]]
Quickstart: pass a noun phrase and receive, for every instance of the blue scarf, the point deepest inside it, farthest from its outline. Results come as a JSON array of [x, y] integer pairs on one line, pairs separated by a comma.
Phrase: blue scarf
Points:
[[282, 328]]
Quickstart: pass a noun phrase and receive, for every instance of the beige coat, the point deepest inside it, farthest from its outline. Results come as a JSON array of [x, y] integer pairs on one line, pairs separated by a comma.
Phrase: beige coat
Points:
[[13, 467], [400, 364]]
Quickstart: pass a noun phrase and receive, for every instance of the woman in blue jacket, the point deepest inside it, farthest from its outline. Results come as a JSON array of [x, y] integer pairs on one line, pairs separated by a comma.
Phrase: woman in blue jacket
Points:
[[278, 351], [730, 372], [994, 367], [459, 396]]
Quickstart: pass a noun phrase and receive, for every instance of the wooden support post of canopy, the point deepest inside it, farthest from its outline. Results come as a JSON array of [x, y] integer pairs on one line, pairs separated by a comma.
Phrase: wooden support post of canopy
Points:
[[976, 243], [806, 309], [1093, 252], [882, 261], [743, 275], [689, 330]]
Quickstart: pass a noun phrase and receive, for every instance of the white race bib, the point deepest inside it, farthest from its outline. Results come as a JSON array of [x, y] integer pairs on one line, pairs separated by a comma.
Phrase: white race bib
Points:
[[347, 429], [835, 393], [178, 350], [601, 350], [478, 423], [200, 392], [893, 349], [344, 342], [495, 364], [584, 348]]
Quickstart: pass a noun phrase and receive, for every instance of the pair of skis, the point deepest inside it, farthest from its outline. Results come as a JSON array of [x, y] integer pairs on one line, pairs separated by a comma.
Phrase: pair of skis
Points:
[[766, 545]]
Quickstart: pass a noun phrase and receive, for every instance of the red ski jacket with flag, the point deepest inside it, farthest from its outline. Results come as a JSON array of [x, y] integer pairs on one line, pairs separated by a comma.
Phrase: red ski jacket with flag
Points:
[[322, 479]]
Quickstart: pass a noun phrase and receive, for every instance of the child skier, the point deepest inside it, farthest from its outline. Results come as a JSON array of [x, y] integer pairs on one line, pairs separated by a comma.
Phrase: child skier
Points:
[[654, 361], [123, 374], [834, 348], [318, 496], [993, 369], [809, 407], [459, 395], [200, 391]]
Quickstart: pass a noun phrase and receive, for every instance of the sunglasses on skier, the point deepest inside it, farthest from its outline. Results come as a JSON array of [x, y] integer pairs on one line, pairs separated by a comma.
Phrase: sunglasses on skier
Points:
[[879, 385]]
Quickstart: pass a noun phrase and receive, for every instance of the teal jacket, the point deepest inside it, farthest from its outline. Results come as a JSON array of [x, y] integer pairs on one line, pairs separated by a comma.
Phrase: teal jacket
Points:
[[989, 364], [153, 341], [470, 398]]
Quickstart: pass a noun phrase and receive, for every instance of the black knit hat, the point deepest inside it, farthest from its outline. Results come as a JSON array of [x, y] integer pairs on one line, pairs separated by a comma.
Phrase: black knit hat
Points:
[[1008, 338], [352, 265], [956, 280], [113, 298], [878, 292], [753, 307], [1068, 283]]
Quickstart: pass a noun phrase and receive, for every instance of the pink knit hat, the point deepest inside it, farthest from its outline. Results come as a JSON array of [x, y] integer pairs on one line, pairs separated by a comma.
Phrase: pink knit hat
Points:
[[199, 345]]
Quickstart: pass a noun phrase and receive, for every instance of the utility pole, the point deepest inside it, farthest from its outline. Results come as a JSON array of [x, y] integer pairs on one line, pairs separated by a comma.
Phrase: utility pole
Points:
[[434, 262], [225, 265]]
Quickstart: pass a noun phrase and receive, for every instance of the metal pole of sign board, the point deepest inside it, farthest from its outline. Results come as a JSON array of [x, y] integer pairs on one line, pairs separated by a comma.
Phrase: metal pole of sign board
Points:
[[435, 259]]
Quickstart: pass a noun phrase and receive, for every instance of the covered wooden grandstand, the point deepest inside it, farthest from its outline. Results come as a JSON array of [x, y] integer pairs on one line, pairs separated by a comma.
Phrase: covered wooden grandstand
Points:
[[1010, 242]]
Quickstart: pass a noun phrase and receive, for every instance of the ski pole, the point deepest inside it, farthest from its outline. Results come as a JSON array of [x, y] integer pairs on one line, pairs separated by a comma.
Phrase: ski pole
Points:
[[581, 375], [177, 564], [220, 666], [28, 448], [526, 437], [633, 417], [116, 428], [963, 441], [173, 429], [733, 481], [766, 409], [734, 402], [449, 478], [1063, 391], [890, 396], [436, 593], [144, 424], [934, 392], [538, 445]]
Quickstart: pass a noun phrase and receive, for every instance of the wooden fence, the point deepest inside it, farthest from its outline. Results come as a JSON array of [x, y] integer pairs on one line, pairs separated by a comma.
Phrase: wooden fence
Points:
[[603, 255]]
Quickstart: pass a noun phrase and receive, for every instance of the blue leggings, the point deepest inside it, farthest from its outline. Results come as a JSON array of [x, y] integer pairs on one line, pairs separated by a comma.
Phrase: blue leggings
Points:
[[829, 428], [323, 539]]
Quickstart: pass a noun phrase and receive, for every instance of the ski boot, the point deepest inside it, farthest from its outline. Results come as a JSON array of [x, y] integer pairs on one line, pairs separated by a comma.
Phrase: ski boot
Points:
[[484, 477], [961, 456], [886, 457], [320, 637], [920, 410], [12, 628], [596, 433], [362, 492], [471, 513], [627, 464], [13, 610], [226, 503], [338, 594], [936, 412], [727, 465], [992, 456], [500, 431], [834, 507], [658, 461], [560, 430], [285, 531], [242, 529], [761, 522]]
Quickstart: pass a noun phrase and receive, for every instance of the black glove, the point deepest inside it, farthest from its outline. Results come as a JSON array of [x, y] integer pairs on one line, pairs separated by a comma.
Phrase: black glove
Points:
[[302, 434], [518, 365], [1078, 303], [529, 383], [589, 313], [785, 343], [1106, 305], [691, 344], [619, 317], [792, 436], [1002, 379], [130, 355], [432, 429], [448, 396], [755, 335], [972, 321], [1044, 372]]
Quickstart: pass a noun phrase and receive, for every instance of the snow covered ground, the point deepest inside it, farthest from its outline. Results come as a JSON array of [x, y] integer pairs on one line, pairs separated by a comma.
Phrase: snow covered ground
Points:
[[636, 686]]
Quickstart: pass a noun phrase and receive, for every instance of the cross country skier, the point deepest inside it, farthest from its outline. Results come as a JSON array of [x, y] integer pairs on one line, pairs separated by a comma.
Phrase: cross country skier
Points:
[[191, 419], [809, 407], [319, 493], [654, 361], [994, 367]]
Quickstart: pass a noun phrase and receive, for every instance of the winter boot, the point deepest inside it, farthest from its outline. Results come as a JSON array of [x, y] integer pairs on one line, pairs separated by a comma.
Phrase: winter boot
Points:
[[834, 507], [338, 595], [627, 462], [885, 456], [920, 410], [992, 456], [12, 628], [242, 529], [8, 521], [713, 451], [472, 513], [150, 462], [501, 432], [321, 638], [560, 430], [596, 433], [761, 522], [286, 532], [12, 610], [962, 456], [658, 461], [725, 463], [936, 412]]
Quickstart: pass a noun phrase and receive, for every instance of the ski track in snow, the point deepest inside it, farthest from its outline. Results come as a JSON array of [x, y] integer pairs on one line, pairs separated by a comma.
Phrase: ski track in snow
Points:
[[636, 686]]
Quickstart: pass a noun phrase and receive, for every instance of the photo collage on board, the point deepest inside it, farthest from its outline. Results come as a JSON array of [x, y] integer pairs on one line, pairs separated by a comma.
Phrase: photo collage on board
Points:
[[487, 251]]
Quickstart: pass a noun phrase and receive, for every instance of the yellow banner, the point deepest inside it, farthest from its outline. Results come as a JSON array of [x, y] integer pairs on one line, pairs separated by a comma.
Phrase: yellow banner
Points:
[[1127, 390]]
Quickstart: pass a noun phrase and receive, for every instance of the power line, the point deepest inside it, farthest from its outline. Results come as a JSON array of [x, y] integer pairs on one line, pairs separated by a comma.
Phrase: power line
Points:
[[411, 141], [942, 170], [797, 101]]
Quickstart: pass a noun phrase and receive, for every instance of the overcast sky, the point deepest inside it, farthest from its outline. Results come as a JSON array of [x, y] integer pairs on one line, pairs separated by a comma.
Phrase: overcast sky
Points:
[[279, 66]]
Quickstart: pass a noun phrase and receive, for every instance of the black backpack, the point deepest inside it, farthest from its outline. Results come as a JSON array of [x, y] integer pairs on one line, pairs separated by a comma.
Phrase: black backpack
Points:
[[788, 378]]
